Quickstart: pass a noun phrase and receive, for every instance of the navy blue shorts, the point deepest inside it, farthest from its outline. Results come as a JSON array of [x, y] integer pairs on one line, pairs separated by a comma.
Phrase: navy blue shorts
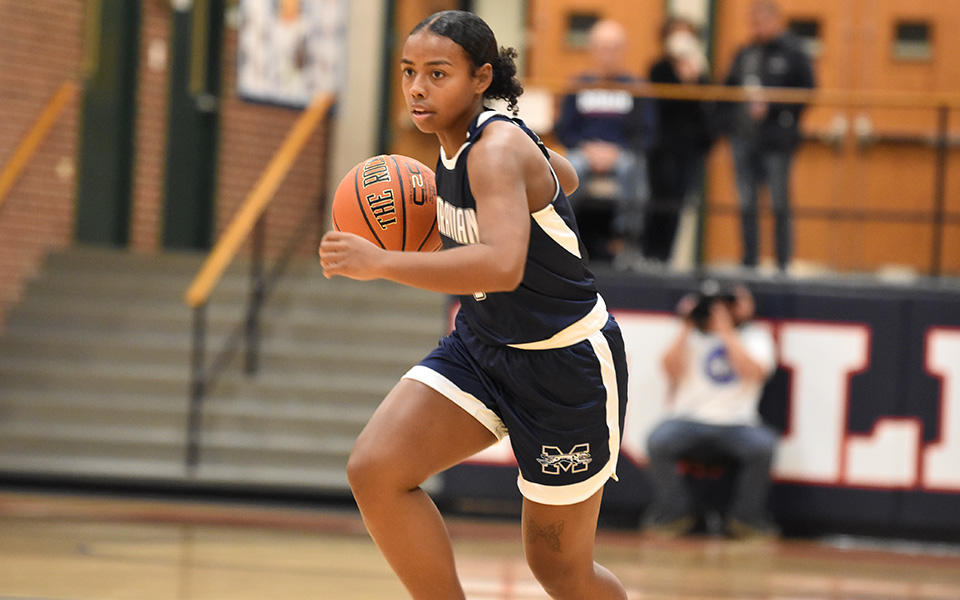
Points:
[[563, 408]]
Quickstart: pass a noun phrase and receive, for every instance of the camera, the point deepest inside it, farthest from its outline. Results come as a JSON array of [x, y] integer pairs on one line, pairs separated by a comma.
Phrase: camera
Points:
[[710, 292]]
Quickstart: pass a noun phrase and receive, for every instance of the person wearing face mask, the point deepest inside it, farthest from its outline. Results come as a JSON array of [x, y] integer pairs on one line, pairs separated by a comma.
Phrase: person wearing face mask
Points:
[[685, 135]]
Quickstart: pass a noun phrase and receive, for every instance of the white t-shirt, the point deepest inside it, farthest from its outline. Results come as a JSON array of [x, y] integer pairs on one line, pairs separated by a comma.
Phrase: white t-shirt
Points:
[[710, 391]]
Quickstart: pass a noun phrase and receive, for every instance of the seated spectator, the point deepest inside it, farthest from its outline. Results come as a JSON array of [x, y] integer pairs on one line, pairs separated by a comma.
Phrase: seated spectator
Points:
[[717, 366], [607, 132]]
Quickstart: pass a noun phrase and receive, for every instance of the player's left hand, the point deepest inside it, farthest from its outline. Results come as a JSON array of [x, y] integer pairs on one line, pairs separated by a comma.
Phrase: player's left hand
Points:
[[349, 255]]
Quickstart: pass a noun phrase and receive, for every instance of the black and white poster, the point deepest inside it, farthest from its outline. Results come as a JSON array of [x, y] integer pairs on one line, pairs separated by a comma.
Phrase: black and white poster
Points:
[[290, 50]]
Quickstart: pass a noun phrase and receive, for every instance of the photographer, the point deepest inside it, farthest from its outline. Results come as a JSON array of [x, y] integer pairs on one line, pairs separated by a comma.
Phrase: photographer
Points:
[[717, 368]]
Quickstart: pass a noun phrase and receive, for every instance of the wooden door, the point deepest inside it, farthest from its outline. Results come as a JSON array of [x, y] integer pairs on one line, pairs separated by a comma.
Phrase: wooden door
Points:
[[821, 178], [907, 47], [105, 153], [558, 30], [193, 127], [863, 182]]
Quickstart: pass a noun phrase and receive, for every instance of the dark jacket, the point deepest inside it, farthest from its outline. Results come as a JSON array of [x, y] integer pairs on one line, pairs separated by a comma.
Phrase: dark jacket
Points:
[[685, 126], [778, 63], [686, 131], [607, 114]]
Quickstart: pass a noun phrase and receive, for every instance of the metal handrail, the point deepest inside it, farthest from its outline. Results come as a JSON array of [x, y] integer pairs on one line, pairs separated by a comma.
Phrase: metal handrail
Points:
[[726, 93], [256, 203], [249, 219], [34, 136], [941, 140]]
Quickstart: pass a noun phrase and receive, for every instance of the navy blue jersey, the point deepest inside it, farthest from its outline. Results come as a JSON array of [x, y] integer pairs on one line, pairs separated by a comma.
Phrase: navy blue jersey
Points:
[[557, 290]]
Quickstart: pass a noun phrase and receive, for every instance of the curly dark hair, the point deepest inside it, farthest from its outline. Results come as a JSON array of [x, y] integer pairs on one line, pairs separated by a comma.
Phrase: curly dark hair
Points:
[[476, 38]]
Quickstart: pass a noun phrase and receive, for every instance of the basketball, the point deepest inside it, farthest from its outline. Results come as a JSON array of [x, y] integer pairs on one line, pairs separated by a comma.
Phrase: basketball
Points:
[[390, 200]]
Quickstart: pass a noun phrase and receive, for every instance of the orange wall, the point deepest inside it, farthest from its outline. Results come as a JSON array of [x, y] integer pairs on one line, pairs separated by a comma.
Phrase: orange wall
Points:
[[552, 59]]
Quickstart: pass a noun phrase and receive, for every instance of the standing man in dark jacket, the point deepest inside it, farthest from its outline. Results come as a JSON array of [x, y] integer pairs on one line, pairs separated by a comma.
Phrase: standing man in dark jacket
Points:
[[607, 130], [765, 135]]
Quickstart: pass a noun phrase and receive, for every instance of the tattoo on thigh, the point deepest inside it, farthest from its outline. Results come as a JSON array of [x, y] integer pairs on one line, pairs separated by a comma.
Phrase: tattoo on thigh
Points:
[[549, 534]]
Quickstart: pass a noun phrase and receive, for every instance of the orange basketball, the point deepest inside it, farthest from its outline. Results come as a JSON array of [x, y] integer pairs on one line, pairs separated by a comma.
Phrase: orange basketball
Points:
[[390, 200]]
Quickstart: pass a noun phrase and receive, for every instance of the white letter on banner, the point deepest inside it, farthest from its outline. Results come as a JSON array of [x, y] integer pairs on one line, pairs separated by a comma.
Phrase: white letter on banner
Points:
[[821, 358], [887, 457], [941, 465], [646, 337]]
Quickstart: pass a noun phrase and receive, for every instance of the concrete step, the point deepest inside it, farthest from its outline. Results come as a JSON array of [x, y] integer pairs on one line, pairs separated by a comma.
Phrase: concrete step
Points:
[[77, 349], [318, 410], [30, 332], [166, 287], [262, 432], [260, 476], [94, 371], [32, 407], [126, 415], [77, 259], [119, 467], [314, 476], [143, 380], [274, 355], [91, 368], [279, 447], [54, 314]]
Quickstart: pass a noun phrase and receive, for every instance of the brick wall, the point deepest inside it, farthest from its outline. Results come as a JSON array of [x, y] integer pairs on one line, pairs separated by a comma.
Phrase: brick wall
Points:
[[250, 134], [40, 47], [151, 127]]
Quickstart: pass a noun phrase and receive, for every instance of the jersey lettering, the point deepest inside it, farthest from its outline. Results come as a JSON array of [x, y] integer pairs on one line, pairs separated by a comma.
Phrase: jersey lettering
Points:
[[458, 224]]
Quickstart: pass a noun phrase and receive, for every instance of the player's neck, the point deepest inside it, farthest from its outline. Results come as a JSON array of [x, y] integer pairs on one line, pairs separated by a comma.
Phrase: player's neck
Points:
[[452, 138]]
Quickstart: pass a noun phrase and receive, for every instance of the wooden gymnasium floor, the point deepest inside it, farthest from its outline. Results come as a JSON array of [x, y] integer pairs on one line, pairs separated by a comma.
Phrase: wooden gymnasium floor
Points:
[[57, 547]]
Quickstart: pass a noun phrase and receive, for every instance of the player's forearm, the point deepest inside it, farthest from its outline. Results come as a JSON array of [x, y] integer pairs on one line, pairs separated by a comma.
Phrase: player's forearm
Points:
[[458, 271]]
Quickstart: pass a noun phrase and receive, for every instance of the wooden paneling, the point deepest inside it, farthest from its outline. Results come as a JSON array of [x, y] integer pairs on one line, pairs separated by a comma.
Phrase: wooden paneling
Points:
[[893, 177], [553, 59]]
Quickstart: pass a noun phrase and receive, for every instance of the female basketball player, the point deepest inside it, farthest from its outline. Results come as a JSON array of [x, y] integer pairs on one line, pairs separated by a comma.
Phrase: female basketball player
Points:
[[534, 352]]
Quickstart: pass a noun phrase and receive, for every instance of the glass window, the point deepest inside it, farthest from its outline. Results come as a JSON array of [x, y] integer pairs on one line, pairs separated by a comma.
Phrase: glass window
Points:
[[578, 28], [912, 41], [809, 33]]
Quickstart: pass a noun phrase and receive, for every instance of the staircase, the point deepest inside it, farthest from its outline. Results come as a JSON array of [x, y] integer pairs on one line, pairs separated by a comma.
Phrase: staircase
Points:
[[94, 373]]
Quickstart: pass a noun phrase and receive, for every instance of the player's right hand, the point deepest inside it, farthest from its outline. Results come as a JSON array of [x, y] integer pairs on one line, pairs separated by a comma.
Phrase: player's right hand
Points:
[[349, 255]]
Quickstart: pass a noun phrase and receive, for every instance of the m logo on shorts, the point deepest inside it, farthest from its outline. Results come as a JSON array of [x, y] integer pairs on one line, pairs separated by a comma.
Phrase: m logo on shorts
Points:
[[554, 461]]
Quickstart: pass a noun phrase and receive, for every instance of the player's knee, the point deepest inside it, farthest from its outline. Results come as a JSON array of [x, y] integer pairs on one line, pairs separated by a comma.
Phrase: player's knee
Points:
[[373, 474], [560, 577], [366, 474]]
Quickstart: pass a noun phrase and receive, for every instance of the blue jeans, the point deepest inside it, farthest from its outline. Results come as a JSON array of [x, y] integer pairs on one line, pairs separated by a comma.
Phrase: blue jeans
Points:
[[752, 447], [754, 167], [634, 191]]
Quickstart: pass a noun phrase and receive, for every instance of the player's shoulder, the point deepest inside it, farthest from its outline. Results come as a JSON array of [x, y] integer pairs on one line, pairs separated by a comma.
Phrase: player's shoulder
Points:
[[505, 140]]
